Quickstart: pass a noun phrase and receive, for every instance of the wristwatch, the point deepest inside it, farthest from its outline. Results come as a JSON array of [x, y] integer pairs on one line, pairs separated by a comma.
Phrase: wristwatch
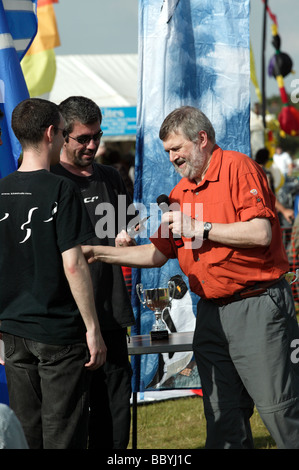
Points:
[[206, 229]]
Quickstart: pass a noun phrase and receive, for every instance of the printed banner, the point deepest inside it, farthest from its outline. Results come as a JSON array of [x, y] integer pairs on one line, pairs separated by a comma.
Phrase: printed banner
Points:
[[190, 53]]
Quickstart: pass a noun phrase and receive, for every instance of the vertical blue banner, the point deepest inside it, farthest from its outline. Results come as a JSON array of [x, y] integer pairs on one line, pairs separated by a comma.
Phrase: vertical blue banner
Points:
[[18, 27], [194, 53]]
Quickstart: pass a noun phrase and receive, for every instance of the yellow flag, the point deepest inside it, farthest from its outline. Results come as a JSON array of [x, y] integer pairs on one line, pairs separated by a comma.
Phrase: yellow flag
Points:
[[39, 64], [253, 76]]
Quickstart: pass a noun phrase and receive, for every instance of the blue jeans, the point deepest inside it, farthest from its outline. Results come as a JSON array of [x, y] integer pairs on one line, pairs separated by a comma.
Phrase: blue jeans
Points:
[[48, 391]]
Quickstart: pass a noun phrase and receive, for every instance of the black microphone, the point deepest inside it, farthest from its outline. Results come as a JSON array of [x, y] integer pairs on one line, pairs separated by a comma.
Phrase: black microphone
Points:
[[164, 203]]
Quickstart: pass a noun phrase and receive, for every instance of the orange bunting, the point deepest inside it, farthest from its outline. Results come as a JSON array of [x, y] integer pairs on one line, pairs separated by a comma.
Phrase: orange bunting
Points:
[[47, 34], [42, 3]]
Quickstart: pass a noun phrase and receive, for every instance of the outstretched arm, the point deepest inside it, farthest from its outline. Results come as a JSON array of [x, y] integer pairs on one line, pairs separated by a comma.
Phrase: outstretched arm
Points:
[[141, 256]]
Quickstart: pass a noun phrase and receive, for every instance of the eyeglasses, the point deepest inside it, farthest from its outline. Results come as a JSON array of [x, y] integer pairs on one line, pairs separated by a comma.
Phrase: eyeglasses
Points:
[[85, 139]]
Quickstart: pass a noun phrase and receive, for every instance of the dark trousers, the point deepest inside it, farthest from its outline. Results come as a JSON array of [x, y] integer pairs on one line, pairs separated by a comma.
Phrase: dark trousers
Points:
[[110, 393], [244, 356], [48, 391]]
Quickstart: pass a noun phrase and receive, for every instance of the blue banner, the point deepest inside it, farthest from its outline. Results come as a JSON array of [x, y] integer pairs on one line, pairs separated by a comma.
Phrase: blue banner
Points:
[[191, 53], [119, 121], [18, 27]]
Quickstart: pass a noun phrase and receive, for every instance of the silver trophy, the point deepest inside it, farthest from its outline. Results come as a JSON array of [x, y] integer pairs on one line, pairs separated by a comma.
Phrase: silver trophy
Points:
[[157, 300], [292, 277]]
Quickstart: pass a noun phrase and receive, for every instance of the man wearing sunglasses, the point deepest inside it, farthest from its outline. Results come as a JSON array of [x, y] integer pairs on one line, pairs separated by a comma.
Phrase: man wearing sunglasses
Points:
[[101, 184]]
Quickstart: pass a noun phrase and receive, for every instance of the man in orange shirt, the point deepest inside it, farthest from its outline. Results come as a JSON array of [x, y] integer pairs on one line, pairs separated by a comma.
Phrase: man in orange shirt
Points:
[[234, 258]]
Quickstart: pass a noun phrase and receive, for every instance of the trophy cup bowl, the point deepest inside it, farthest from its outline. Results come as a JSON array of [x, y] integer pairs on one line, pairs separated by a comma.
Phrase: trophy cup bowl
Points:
[[157, 299]]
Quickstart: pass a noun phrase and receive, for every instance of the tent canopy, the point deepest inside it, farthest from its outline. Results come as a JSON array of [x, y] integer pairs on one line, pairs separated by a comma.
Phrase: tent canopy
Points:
[[109, 80]]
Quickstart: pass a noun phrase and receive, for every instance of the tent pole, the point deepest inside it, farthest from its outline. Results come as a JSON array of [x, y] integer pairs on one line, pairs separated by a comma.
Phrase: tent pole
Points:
[[263, 64]]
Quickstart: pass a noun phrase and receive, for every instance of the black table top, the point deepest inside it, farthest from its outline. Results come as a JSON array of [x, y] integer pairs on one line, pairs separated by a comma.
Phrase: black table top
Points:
[[143, 344]]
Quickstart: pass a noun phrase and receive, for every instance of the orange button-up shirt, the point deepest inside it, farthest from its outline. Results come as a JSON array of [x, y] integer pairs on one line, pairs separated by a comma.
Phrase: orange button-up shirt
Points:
[[235, 189]]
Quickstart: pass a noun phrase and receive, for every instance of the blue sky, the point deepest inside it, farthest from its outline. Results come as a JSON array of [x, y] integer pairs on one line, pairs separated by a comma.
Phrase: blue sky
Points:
[[111, 27]]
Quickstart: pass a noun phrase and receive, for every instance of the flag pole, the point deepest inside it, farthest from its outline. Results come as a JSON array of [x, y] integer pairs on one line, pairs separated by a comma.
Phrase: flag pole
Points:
[[264, 64]]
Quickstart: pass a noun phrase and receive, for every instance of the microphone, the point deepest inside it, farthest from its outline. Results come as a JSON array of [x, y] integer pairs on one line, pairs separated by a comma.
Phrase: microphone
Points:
[[164, 203], [133, 231]]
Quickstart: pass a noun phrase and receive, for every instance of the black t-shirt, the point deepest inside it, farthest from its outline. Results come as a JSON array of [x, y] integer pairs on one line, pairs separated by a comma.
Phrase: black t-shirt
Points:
[[41, 216], [107, 200]]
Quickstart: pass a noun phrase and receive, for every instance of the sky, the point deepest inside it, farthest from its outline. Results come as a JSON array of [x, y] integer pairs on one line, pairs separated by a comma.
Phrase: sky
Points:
[[111, 27]]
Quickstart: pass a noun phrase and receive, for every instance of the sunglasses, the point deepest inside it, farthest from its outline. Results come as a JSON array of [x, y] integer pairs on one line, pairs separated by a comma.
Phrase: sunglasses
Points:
[[83, 139]]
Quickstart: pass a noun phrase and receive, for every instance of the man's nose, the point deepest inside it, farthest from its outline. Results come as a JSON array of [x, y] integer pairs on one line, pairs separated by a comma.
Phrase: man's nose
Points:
[[92, 144], [172, 156]]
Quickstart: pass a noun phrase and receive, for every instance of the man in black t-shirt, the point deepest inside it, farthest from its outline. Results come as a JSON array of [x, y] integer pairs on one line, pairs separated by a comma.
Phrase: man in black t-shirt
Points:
[[106, 199], [48, 319]]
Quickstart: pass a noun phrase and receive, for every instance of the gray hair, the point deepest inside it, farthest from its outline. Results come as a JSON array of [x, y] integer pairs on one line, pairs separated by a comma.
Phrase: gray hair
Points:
[[81, 109], [188, 120]]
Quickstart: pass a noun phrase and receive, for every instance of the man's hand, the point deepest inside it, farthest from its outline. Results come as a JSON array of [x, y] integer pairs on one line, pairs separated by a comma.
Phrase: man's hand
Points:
[[288, 215], [123, 239], [97, 350], [181, 224], [88, 252]]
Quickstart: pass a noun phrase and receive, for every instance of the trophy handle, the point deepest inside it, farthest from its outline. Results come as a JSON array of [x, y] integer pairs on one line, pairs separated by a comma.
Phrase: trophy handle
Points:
[[162, 315], [171, 287], [140, 293], [292, 277]]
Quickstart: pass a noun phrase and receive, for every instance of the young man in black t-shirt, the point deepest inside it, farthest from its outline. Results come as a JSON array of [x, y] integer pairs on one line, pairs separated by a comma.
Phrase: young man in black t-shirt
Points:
[[48, 320]]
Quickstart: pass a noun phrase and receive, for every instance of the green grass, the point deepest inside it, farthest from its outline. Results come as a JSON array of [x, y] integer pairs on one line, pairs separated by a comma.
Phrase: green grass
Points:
[[180, 424]]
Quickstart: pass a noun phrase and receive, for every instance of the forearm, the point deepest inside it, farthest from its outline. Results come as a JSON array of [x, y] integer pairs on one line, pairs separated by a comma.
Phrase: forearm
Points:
[[141, 256], [255, 232], [78, 276], [242, 234]]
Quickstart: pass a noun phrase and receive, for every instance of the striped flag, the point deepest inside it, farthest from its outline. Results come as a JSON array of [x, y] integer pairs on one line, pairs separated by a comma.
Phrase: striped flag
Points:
[[18, 26], [39, 64]]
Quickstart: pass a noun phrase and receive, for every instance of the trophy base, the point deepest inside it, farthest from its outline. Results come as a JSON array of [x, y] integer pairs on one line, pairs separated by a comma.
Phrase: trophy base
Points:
[[159, 334]]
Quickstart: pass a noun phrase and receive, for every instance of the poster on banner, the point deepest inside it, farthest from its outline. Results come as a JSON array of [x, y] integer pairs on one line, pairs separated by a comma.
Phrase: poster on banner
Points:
[[119, 121], [190, 53]]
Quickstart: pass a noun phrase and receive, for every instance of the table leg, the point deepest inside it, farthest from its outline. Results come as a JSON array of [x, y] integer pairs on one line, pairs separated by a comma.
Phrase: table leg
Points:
[[134, 421]]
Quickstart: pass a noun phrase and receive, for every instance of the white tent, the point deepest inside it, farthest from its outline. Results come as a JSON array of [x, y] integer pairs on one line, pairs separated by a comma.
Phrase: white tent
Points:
[[109, 80]]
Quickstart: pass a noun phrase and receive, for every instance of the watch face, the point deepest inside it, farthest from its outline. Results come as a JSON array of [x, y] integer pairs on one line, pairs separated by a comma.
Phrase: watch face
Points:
[[206, 228]]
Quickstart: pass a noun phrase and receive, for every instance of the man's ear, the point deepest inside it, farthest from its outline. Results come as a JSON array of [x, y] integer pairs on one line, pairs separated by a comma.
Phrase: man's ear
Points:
[[203, 138], [50, 131]]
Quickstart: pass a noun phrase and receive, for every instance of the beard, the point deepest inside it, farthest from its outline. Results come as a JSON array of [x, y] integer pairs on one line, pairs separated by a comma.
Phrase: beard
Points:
[[193, 166], [84, 159]]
